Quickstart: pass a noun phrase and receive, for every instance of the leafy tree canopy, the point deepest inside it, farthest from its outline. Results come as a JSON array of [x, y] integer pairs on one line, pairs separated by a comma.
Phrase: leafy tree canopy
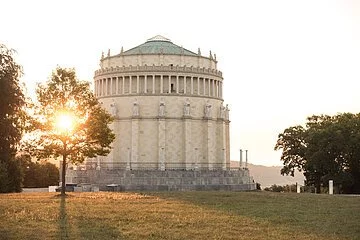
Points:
[[68, 121], [327, 148], [12, 120]]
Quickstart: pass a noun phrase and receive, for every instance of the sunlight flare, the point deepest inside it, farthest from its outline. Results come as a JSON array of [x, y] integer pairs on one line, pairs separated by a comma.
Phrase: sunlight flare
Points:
[[65, 122]]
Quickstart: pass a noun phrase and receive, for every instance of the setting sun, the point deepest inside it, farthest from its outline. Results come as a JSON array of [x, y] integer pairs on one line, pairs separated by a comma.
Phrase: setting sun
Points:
[[64, 122]]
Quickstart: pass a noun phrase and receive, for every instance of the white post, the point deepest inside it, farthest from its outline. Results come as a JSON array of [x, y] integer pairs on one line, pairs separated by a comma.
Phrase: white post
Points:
[[246, 159], [331, 187], [240, 163], [297, 188]]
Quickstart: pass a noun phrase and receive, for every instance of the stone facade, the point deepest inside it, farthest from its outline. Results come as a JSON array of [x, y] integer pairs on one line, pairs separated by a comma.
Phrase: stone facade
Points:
[[168, 107]]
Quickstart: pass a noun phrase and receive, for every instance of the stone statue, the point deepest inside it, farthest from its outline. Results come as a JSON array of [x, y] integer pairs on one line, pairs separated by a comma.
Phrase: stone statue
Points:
[[207, 109], [162, 107], [187, 108], [227, 110], [113, 109], [135, 108], [222, 111]]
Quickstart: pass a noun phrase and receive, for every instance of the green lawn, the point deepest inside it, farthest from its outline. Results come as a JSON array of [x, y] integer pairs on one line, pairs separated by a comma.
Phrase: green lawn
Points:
[[179, 215]]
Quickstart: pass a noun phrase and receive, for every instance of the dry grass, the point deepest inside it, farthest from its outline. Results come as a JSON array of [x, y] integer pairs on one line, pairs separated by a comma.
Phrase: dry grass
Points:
[[179, 215]]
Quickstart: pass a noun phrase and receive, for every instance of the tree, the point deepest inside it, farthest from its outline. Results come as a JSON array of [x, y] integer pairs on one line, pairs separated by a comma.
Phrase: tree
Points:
[[38, 174], [69, 122], [12, 120], [327, 148]]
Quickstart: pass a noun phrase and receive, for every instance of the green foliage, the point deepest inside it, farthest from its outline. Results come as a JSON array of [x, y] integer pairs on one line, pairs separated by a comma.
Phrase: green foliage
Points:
[[327, 148], [38, 174], [278, 188], [89, 137], [12, 120]]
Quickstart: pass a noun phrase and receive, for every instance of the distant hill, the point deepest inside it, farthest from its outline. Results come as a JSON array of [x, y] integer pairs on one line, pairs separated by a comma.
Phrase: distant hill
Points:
[[268, 176]]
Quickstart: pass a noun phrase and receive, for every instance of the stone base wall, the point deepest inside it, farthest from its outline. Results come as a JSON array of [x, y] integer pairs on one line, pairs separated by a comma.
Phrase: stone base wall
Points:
[[170, 180]]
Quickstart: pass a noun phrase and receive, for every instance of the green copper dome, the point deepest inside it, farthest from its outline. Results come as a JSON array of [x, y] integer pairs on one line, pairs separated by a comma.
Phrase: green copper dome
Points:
[[158, 45]]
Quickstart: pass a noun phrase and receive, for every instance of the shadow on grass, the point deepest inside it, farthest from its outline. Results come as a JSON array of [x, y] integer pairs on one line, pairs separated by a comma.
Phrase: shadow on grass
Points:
[[63, 221], [83, 223], [310, 213]]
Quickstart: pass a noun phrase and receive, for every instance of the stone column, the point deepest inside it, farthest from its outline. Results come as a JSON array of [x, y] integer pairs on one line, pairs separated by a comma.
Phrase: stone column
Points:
[[209, 83], [211, 135], [128, 162], [222, 146], [198, 86], [106, 86], [134, 142], [153, 84], [161, 143], [227, 142], [111, 86], [184, 84], [145, 83], [188, 146], [177, 83], [204, 87], [123, 84], [117, 85], [161, 84], [137, 84], [213, 88], [130, 84], [192, 85], [169, 84]]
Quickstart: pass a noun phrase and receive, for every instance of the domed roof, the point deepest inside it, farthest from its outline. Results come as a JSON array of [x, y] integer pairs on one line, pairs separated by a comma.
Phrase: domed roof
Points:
[[158, 45]]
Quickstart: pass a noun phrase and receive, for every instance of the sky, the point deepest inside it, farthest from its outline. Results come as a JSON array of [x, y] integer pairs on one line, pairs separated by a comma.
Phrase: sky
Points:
[[282, 60]]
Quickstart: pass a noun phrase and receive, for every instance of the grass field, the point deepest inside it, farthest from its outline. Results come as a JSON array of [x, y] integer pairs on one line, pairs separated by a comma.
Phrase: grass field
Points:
[[179, 215]]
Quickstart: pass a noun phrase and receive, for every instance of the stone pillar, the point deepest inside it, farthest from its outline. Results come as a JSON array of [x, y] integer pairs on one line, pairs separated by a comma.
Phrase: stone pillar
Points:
[[198, 86], [227, 142], [134, 142], [162, 143], [106, 86], [184, 84], [137, 84], [209, 84], [130, 84], [213, 88], [169, 83], [223, 144], [331, 187], [153, 84], [161, 84], [204, 88], [192, 85], [177, 83], [211, 136], [188, 147], [145, 83], [111, 85], [117, 85], [123, 84], [128, 162]]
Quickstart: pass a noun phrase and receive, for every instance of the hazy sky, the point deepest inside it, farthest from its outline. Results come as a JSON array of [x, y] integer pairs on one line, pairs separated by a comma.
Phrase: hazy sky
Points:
[[281, 60]]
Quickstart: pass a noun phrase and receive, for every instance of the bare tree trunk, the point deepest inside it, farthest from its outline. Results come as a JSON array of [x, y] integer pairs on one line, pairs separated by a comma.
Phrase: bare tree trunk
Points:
[[63, 173]]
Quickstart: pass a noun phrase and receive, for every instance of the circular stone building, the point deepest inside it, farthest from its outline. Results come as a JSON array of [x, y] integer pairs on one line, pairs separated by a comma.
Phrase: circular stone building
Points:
[[170, 120]]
